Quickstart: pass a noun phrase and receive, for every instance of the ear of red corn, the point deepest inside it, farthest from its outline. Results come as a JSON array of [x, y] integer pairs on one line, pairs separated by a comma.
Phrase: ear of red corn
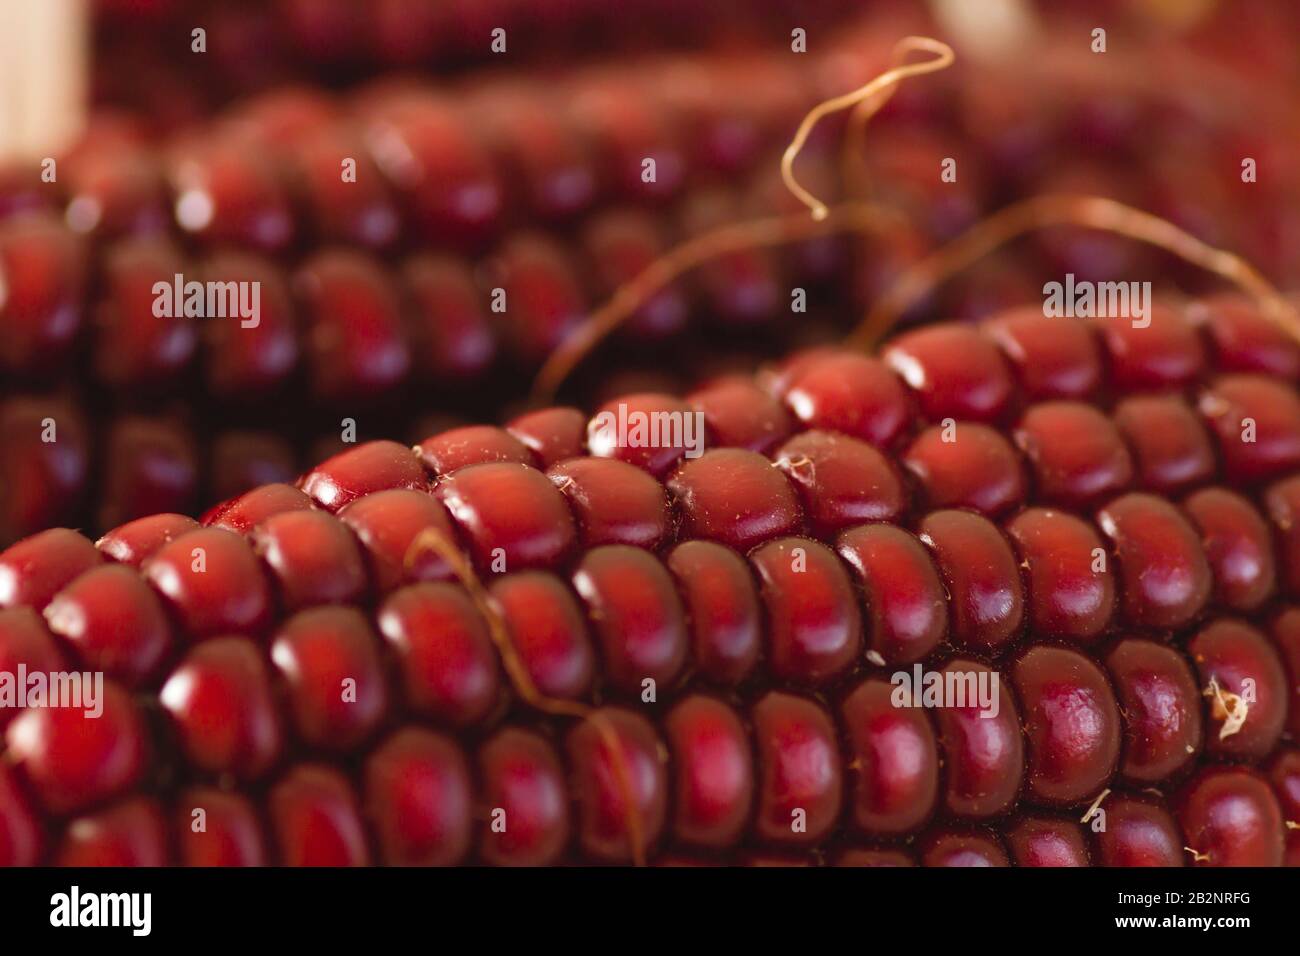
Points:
[[316, 680]]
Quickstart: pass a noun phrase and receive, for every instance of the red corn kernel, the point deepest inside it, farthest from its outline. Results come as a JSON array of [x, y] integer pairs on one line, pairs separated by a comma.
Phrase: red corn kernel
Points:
[[636, 614], [734, 497], [1285, 631], [713, 772], [228, 194], [246, 357], [129, 833], [1052, 358], [966, 465], [1230, 817], [215, 828], [387, 523], [1238, 660], [549, 170], [1237, 545], [213, 583], [544, 301], [1284, 774], [1164, 577], [136, 348], [44, 265], [1162, 351], [1075, 453], [1283, 503], [801, 782], [445, 659], [722, 607], [418, 794], [287, 113], [814, 631], [512, 517], [328, 661], [136, 541], [250, 509], [1071, 588], [316, 820], [960, 846], [223, 709], [1243, 339], [729, 107], [619, 245], [905, 600], [151, 465], [358, 211], [42, 482], [21, 837], [1170, 447], [647, 429], [444, 177], [113, 622], [356, 342], [472, 445], [1138, 832], [739, 414], [841, 481], [1257, 423], [313, 558], [325, 32], [1072, 724], [874, 858], [523, 785], [73, 760], [613, 502], [1161, 703], [25, 642], [22, 194], [374, 466], [849, 393], [984, 756], [1047, 841], [600, 776], [241, 461], [452, 339], [741, 288], [894, 772], [37, 568], [982, 577], [954, 371], [624, 128], [547, 631], [552, 434]]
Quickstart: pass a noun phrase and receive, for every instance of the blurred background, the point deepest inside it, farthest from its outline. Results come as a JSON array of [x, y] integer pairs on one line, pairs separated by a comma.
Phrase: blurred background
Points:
[[516, 161]]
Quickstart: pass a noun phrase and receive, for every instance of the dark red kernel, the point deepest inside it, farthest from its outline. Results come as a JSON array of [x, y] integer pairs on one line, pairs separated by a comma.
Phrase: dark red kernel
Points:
[[841, 481], [1161, 703], [734, 497], [721, 603], [636, 615], [906, 603], [1072, 724]]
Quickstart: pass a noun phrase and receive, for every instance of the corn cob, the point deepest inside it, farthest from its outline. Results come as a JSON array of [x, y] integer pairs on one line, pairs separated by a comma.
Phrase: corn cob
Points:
[[361, 340], [319, 681], [146, 59]]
